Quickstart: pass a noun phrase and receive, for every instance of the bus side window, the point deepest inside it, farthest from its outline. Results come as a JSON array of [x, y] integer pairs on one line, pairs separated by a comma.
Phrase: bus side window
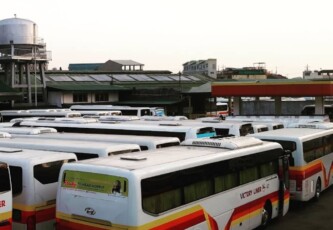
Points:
[[248, 174], [328, 144]]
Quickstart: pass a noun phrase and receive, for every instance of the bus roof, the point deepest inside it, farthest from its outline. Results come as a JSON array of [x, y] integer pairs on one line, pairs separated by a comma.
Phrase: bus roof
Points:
[[312, 125], [32, 156], [27, 130], [103, 107], [291, 133], [67, 146], [174, 157], [125, 126], [130, 139], [4, 135]]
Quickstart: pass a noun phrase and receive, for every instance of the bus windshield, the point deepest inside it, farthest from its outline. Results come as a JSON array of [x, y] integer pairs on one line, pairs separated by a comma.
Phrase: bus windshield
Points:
[[5, 179], [246, 129], [48, 173]]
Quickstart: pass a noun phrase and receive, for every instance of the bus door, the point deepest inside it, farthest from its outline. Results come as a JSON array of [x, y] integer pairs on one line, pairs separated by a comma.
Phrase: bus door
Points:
[[283, 183], [45, 191], [5, 198]]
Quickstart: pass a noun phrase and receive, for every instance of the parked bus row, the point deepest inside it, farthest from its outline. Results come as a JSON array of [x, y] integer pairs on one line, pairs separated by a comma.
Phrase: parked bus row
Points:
[[7, 115], [23, 203], [45, 134], [83, 126], [172, 196], [125, 110]]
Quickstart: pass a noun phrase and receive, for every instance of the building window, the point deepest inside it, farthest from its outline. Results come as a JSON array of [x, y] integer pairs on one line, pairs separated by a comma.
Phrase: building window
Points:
[[80, 97], [101, 97]]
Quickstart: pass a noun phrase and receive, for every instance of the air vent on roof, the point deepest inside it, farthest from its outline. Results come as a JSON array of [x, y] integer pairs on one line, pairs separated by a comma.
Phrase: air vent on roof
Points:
[[225, 143], [133, 158], [4, 135], [170, 124], [326, 125], [211, 121], [10, 150], [118, 118]]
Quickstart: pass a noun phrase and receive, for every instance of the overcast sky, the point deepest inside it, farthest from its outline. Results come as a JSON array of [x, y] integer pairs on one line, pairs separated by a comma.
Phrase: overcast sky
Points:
[[287, 35]]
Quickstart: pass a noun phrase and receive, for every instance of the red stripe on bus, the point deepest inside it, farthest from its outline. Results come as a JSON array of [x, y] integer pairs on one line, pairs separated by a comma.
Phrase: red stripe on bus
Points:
[[308, 172], [213, 224], [41, 215], [45, 215], [191, 219], [7, 226], [252, 206], [184, 222]]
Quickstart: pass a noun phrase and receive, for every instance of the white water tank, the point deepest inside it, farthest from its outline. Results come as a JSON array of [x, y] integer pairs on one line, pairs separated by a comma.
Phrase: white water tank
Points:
[[18, 31]]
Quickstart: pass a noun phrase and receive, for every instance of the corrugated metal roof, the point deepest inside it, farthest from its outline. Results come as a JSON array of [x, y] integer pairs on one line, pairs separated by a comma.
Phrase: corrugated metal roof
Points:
[[127, 62], [86, 87]]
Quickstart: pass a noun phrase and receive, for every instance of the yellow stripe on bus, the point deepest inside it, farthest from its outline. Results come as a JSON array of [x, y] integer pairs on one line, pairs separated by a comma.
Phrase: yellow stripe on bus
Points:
[[302, 168], [5, 216], [24, 207], [68, 217]]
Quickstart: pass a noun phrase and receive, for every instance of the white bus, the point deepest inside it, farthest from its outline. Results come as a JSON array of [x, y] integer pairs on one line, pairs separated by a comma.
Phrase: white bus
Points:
[[284, 119], [234, 183], [270, 124], [34, 177], [145, 142], [66, 125], [82, 149], [258, 128], [222, 128], [312, 153], [7, 115], [94, 113], [125, 110], [26, 130], [6, 198]]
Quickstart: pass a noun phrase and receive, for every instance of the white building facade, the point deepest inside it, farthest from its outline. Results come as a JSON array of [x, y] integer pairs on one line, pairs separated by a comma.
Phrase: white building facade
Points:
[[322, 74], [204, 67]]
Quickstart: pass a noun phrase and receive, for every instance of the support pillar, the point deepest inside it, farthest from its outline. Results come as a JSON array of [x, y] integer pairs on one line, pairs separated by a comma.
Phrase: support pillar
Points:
[[42, 79], [27, 75], [21, 69], [278, 105], [257, 105], [319, 105], [237, 106], [12, 70]]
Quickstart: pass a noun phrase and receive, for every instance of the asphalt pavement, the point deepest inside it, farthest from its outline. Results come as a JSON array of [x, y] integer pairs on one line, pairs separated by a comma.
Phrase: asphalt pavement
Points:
[[311, 215]]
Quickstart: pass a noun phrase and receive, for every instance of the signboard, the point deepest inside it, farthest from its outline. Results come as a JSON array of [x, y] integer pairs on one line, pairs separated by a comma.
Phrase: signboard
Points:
[[95, 182]]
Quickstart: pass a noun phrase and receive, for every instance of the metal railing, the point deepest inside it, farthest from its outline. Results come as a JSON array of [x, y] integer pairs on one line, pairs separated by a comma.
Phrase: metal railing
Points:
[[25, 53]]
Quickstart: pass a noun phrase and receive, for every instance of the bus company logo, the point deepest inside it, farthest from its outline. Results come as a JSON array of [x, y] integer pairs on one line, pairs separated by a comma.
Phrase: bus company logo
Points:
[[2, 203], [90, 211], [70, 183]]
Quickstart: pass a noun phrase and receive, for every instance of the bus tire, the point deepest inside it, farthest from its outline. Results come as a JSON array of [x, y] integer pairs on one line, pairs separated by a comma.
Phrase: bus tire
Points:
[[317, 190], [266, 215]]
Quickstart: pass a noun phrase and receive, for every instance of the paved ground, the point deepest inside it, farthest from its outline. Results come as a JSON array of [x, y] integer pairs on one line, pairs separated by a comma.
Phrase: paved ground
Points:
[[308, 216]]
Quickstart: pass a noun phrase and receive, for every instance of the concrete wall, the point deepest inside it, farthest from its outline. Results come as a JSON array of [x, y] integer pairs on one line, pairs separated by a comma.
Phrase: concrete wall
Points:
[[267, 107]]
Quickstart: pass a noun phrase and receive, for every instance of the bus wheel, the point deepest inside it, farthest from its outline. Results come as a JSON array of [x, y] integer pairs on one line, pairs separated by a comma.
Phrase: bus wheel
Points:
[[266, 215], [318, 190]]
